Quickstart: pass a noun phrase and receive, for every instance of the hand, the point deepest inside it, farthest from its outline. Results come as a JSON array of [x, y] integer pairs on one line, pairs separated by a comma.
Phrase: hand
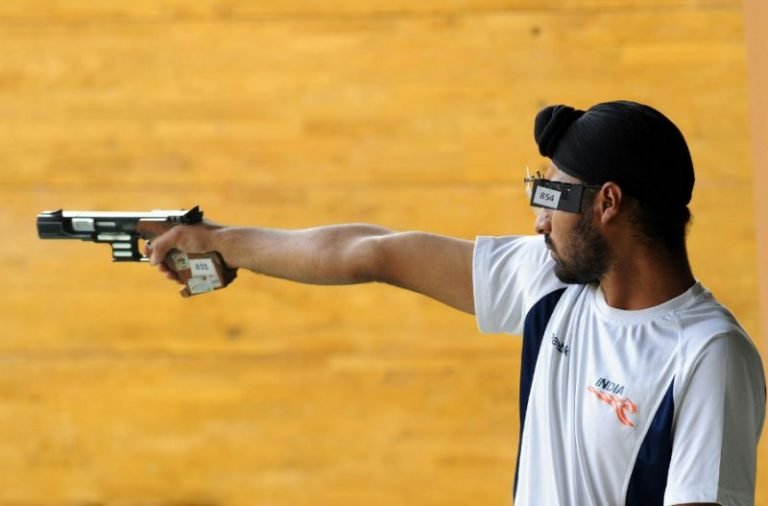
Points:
[[186, 238]]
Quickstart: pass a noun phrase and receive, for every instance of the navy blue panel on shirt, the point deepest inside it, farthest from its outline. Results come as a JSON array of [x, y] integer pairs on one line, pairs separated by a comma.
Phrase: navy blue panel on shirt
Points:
[[649, 477], [533, 333]]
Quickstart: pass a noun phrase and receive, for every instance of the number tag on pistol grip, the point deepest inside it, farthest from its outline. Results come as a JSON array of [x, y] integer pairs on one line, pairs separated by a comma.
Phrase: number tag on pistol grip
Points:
[[198, 271]]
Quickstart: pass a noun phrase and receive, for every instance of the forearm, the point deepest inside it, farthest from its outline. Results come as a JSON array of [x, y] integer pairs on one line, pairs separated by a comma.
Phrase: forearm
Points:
[[323, 255], [437, 266]]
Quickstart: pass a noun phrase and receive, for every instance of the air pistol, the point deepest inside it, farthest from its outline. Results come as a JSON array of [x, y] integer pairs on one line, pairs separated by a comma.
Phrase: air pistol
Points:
[[123, 230]]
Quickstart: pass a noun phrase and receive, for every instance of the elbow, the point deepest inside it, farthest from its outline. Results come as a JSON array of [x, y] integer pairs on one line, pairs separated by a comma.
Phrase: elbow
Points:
[[365, 259]]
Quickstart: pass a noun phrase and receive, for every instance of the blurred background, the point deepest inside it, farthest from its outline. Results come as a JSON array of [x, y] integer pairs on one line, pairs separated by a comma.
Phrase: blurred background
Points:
[[413, 115]]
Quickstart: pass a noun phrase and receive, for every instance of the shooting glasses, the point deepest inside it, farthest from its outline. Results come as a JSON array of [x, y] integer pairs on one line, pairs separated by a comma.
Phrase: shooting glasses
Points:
[[546, 194]]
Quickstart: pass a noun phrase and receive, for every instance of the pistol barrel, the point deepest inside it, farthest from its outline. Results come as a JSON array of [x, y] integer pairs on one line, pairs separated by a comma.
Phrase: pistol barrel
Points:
[[53, 225]]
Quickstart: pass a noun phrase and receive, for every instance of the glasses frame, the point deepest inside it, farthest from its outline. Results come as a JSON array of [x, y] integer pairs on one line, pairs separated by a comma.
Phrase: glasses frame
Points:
[[555, 195]]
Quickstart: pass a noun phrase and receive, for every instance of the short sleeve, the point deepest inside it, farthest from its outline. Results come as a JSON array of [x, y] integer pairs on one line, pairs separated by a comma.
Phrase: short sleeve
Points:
[[509, 274], [717, 426]]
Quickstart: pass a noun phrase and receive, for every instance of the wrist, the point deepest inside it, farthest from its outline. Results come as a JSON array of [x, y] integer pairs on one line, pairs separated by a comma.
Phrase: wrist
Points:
[[216, 240]]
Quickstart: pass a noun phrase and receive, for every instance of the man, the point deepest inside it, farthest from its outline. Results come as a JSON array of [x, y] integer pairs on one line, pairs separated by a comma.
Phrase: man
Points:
[[637, 387]]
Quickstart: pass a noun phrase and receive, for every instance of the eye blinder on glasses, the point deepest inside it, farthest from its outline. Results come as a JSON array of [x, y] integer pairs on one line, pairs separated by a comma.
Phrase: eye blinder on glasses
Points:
[[556, 195]]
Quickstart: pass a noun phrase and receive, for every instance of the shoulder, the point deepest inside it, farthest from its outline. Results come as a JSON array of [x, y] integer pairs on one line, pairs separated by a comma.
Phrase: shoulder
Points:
[[510, 274], [528, 248], [714, 344], [521, 258], [706, 323]]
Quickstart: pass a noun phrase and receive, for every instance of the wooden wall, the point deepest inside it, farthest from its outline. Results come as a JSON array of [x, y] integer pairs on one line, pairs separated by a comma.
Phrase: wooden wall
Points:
[[115, 391], [756, 15]]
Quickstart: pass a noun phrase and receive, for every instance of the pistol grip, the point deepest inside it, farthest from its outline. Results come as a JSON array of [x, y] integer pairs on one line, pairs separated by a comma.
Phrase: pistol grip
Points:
[[200, 272]]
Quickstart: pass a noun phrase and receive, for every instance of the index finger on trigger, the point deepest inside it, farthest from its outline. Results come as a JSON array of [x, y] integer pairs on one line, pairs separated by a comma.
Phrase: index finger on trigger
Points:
[[157, 245]]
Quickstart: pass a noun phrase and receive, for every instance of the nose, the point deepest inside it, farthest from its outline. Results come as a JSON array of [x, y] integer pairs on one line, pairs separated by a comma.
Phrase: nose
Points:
[[543, 224]]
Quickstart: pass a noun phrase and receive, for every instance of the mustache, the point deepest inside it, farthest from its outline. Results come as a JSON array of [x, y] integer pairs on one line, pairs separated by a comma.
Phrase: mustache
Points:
[[549, 243]]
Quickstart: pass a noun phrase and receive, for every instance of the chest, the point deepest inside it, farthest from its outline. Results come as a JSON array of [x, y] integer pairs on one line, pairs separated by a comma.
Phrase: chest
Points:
[[598, 383]]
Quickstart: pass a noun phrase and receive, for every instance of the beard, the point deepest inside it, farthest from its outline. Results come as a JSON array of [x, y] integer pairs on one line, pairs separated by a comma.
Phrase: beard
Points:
[[586, 258]]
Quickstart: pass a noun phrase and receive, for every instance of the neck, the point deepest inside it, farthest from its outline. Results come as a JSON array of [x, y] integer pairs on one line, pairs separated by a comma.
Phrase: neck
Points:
[[644, 279]]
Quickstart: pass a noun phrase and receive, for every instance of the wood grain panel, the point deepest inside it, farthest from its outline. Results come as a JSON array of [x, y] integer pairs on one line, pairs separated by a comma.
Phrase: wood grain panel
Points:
[[412, 115], [327, 101], [756, 14], [302, 429], [757, 21], [238, 10]]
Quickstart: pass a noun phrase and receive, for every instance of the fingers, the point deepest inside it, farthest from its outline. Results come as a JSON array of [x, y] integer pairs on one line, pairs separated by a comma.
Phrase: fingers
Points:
[[169, 274], [157, 257], [159, 247], [151, 252], [147, 249], [186, 238]]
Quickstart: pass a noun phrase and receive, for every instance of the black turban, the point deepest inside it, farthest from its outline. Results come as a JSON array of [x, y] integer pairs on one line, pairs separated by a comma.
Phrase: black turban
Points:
[[631, 144]]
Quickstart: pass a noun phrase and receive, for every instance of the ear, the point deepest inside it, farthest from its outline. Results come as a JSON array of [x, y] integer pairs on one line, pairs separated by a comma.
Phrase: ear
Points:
[[608, 202]]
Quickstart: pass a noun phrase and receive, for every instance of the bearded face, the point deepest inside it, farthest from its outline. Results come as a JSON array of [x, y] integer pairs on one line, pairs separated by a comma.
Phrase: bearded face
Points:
[[584, 256]]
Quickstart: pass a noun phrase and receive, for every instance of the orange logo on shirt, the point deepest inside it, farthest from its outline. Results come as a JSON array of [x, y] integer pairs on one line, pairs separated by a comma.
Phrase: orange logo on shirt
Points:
[[621, 405]]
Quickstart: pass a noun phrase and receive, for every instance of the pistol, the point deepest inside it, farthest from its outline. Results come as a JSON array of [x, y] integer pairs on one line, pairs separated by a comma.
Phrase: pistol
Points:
[[200, 272]]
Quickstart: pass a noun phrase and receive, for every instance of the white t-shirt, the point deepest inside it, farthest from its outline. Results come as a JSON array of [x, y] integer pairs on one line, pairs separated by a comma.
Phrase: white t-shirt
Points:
[[659, 406]]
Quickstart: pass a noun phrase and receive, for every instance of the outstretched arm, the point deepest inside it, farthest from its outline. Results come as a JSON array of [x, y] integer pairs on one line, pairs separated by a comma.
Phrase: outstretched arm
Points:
[[437, 266]]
